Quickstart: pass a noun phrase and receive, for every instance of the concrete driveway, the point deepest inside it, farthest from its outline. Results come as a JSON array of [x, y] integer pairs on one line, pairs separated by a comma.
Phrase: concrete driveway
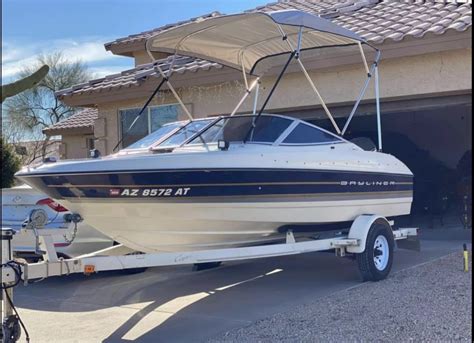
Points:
[[179, 305]]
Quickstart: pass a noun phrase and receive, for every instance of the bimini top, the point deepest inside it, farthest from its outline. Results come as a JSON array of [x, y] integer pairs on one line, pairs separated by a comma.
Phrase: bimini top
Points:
[[244, 40]]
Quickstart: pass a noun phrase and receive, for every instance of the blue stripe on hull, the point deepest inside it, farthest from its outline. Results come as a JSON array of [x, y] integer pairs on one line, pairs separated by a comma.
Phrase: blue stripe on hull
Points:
[[217, 182]]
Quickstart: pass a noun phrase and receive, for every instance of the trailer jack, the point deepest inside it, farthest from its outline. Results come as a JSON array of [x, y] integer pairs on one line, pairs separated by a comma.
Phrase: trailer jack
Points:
[[11, 324]]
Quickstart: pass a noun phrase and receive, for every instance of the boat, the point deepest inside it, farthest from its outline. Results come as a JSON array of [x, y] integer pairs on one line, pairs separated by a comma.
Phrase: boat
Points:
[[240, 179]]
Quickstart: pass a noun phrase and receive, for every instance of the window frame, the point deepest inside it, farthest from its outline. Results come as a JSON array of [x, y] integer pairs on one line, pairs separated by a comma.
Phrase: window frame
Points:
[[120, 122]]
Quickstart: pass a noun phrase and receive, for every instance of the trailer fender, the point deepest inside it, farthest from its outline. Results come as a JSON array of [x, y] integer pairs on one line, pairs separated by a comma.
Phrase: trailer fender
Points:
[[360, 229]]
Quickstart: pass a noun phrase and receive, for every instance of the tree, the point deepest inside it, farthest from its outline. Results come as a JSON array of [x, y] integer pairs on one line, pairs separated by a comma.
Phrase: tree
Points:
[[31, 111], [10, 164]]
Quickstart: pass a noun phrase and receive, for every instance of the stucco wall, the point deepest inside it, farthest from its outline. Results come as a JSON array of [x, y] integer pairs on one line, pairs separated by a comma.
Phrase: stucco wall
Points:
[[403, 78], [74, 146]]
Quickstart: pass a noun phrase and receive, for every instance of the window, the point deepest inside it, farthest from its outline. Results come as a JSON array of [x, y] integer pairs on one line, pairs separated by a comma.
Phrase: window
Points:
[[268, 129], [305, 134], [150, 120], [240, 128]]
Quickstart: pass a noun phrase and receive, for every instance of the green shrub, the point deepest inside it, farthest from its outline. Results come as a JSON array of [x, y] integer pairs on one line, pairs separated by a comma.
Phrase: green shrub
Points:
[[10, 164]]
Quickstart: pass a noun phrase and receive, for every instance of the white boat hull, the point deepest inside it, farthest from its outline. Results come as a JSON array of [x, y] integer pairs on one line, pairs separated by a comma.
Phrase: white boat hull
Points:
[[231, 198], [167, 227]]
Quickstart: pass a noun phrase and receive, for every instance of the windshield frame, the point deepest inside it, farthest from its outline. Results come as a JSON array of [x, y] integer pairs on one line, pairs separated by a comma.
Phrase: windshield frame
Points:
[[158, 141], [278, 141], [237, 117], [157, 147], [281, 139]]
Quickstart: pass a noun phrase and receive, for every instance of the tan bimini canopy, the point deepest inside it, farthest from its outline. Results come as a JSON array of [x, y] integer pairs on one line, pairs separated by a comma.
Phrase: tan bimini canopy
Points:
[[242, 41]]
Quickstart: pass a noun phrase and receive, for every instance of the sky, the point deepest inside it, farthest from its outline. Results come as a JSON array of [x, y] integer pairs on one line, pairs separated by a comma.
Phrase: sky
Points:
[[79, 28]]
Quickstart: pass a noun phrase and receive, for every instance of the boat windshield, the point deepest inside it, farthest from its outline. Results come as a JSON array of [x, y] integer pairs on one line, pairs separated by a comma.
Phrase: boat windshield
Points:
[[241, 128], [155, 136], [185, 133]]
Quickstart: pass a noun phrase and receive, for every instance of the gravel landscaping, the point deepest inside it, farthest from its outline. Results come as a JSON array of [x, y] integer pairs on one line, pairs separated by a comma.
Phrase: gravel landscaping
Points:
[[429, 302]]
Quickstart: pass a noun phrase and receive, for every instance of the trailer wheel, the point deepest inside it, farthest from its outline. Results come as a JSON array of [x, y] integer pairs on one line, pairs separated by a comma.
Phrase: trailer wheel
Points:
[[375, 262]]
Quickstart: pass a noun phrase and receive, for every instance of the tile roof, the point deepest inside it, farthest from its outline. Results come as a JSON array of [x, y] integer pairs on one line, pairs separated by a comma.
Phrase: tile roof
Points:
[[142, 36], [136, 76], [82, 119], [377, 21]]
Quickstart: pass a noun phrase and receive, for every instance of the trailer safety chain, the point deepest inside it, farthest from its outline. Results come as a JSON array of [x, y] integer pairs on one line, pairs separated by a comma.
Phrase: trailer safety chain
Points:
[[69, 241]]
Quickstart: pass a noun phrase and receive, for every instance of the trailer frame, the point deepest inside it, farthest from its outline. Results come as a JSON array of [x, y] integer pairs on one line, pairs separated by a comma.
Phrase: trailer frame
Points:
[[120, 257]]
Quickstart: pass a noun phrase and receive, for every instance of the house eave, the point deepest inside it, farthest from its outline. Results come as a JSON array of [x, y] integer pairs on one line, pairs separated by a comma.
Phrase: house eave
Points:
[[125, 49], [84, 130]]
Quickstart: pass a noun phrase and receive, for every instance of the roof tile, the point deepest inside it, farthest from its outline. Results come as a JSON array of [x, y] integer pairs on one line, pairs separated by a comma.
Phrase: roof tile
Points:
[[82, 119], [376, 21]]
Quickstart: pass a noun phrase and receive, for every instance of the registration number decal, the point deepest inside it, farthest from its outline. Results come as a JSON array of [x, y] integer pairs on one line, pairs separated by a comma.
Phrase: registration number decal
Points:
[[149, 192]]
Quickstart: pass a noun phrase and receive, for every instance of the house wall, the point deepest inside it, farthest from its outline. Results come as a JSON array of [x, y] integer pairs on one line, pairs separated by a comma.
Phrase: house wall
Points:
[[74, 146], [413, 77]]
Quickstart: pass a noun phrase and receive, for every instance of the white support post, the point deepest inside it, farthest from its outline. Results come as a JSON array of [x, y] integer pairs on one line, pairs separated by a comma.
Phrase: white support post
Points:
[[255, 101], [247, 93], [359, 99], [305, 72], [323, 104], [364, 58], [300, 38], [377, 102], [47, 243], [364, 89], [245, 75]]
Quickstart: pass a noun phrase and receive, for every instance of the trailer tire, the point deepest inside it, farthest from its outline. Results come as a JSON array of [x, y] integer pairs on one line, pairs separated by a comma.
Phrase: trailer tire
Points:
[[375, 262]]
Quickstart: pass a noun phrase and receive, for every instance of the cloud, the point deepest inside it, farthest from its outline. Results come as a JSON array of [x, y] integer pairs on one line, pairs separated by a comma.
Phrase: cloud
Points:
[[89, 50], [104, 70]]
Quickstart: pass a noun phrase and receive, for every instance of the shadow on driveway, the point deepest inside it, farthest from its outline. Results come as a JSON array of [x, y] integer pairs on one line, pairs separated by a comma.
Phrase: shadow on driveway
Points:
[[174, 303]]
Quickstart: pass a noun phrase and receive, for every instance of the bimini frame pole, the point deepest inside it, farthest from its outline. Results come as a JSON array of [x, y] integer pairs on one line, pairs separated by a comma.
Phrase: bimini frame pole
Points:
[[139, 114], [377, 102], [170, 86], [267, 99], [362, 93], [323, 104], [165, 79], [308, 77], [247, 93], [168, 83], [255, 100], [282, 72], [363, 58]]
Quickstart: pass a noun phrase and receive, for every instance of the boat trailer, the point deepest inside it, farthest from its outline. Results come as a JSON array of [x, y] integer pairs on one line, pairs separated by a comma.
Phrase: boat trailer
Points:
[[370, 240]]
